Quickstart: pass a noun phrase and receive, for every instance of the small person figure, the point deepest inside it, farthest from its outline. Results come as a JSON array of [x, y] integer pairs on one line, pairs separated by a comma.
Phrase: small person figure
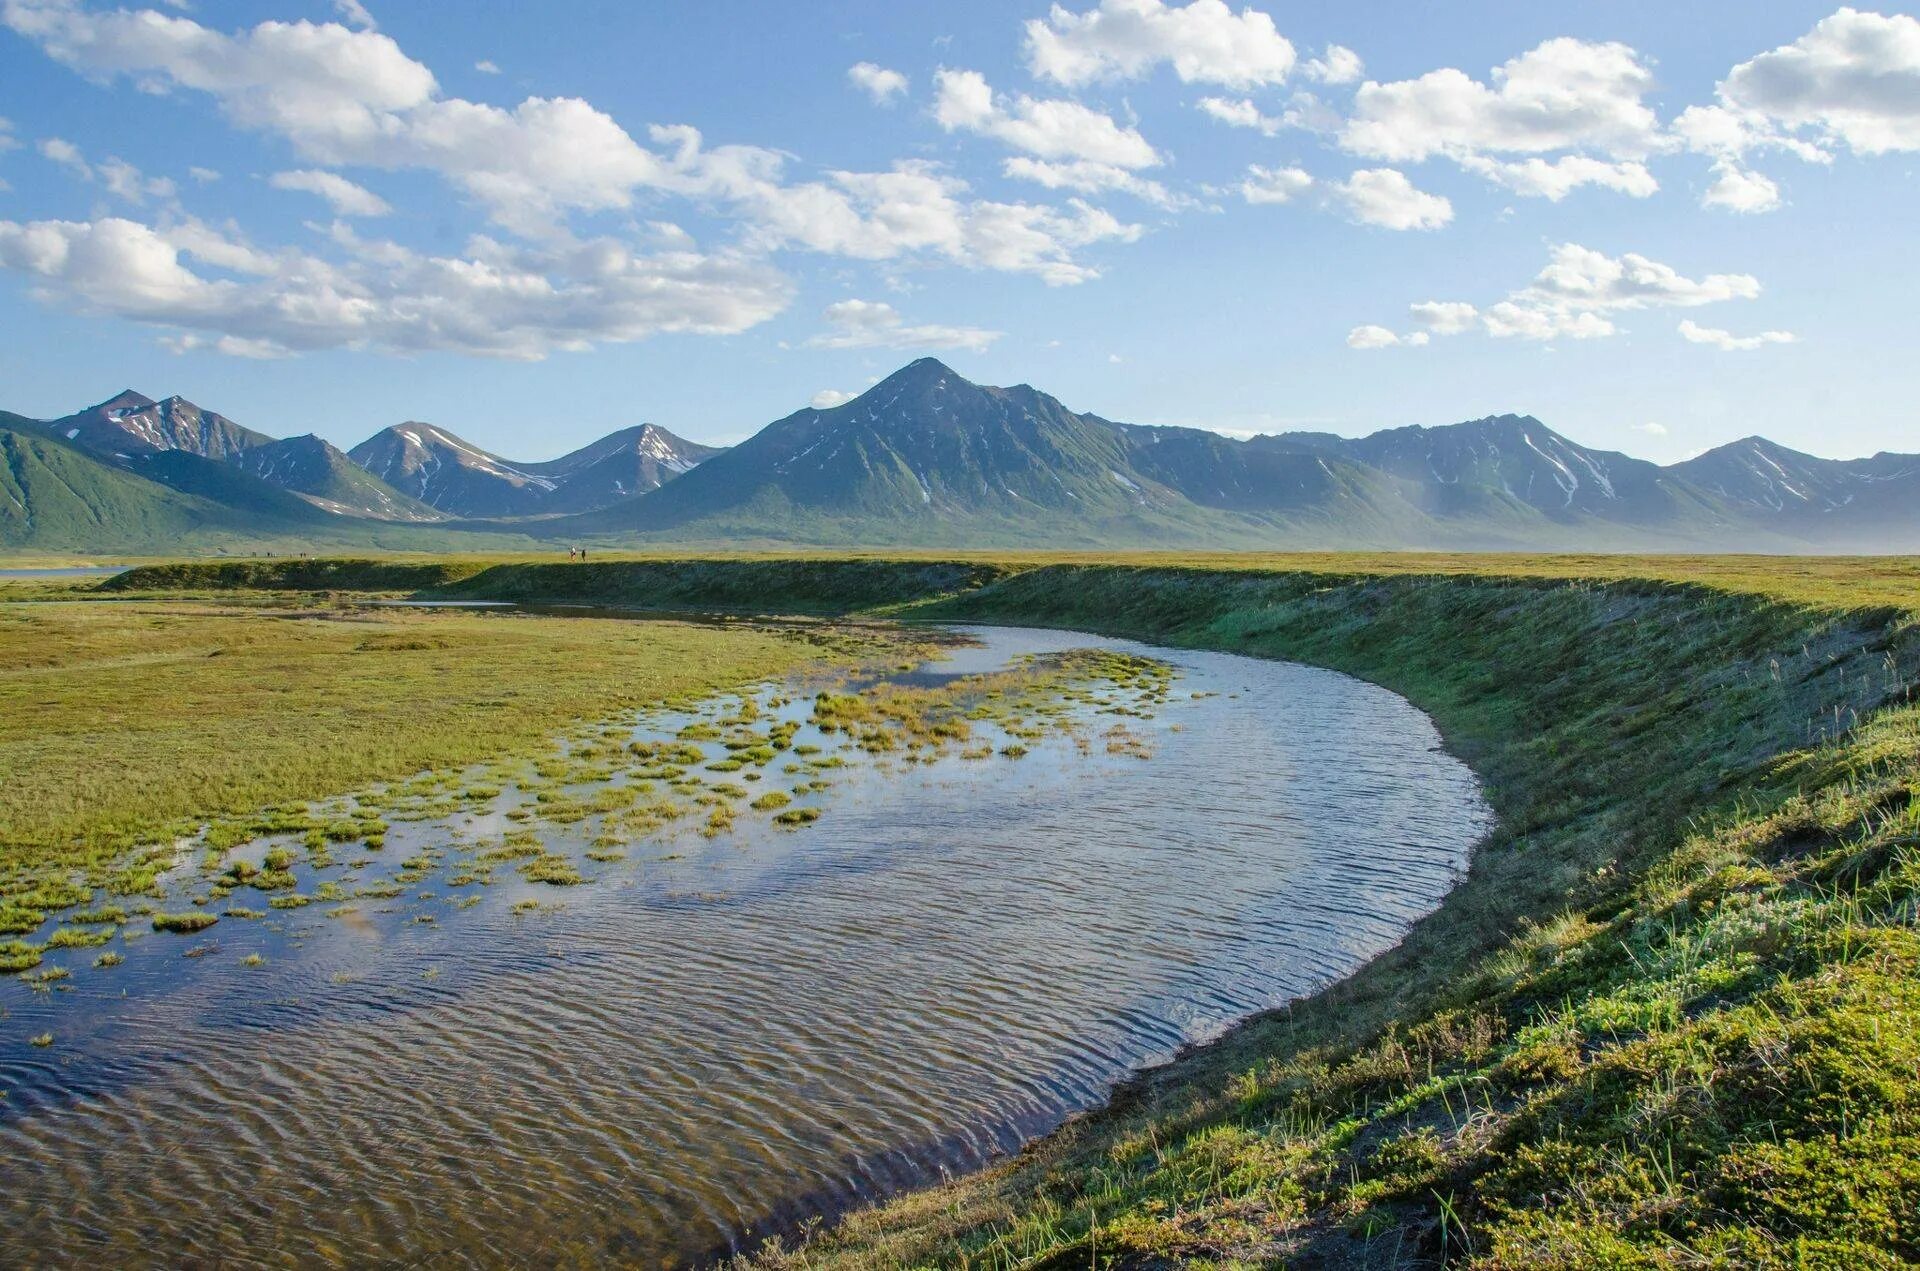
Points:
[[570, 553]]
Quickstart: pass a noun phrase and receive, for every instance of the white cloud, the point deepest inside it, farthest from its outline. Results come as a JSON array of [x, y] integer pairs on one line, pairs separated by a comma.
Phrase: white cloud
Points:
[[1338, 65], [227, 345], [205, 176], [1371, 196], [1384, 197], [1563, 95], [1241, 113], [121, 179], [1204, 41], [486, 67], [355, 15], [1275, 185], [828, 398], [1738, 189], [1054, 129], [1580, 278], [7, 141], [352, 98], [881, 84], [1650, 428], [1371, 337], [914, 209], [346, 198], [1853, 80], [63, 152], [1727, 341], [1554, 179], [1576, 295], [1445, 317], [1087, 177], [491, 300], [874, 324]]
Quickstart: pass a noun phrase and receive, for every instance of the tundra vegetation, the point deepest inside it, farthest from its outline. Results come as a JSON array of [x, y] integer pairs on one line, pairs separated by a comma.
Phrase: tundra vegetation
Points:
[[1671, 1016]]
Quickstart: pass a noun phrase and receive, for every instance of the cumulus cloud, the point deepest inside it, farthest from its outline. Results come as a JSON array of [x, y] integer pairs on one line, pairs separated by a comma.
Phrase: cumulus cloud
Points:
[[1371, 196], [1566, 94], [355, 14], [1577, 295], [346, 198], [914, 209], [120, 178], [205, 176], [1205, 42], [1338, 65], [492, 300], [1241, 113], [1727, 341], [1581, 100], [346, 98], [1376, 337], [828, 398], [874, 324], [1087, 177], [1853, 80], [1650, 428], [1055, 129], [879, 83], [486, 67], [1384, 197], [1444, 317], [1554, 179], [1738, 189], [1275, 185]]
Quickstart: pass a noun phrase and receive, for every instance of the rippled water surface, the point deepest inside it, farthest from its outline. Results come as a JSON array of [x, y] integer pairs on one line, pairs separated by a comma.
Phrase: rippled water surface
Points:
[[719, 1034]]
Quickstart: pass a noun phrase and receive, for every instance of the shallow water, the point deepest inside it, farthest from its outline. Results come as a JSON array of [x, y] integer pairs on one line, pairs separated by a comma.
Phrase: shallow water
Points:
[[719, 1034]]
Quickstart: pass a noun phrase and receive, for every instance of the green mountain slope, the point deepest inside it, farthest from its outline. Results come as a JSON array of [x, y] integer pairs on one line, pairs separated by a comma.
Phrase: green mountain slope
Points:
[[54, 496]]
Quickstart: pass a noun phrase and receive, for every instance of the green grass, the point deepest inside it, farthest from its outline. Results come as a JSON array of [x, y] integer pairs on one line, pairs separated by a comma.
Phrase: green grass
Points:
[[122, 723]]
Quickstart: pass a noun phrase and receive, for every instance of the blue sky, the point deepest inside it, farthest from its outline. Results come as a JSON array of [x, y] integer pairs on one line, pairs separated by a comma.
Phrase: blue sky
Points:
[[1656, 227]]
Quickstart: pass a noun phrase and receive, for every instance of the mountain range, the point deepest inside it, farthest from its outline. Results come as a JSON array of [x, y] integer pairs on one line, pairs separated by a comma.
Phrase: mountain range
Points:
[[928, 458]]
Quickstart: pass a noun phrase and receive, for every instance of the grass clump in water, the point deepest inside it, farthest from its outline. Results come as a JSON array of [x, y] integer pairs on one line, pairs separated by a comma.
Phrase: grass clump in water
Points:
[[184, 923]]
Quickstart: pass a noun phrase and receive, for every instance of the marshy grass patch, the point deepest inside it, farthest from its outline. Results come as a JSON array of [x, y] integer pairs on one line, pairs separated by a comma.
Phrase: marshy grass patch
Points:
[[184, 923]]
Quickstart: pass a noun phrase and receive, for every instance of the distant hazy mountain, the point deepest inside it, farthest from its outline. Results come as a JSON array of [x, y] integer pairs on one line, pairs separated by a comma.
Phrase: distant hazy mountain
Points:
[[460, 479], [1868, 504], [926, 457]]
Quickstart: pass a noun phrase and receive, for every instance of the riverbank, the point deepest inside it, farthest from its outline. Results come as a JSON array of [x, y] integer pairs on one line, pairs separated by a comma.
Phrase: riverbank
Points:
[[1669, 1017]]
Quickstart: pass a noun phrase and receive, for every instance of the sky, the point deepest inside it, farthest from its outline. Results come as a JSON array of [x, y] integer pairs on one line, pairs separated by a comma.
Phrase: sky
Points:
[[1656, 227]]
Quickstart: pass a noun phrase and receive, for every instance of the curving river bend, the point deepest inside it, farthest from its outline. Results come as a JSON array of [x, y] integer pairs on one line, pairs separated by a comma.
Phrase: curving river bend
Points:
[[776, 1023]]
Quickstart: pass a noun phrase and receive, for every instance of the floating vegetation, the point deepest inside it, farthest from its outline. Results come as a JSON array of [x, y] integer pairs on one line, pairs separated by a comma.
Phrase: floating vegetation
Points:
[[798, 816], [109, 959], [552, 869], [185, 923], [772, 800]]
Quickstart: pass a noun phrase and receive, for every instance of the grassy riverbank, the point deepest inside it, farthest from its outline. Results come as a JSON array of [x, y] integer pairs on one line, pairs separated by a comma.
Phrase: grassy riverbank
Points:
[[1671, 1018]]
